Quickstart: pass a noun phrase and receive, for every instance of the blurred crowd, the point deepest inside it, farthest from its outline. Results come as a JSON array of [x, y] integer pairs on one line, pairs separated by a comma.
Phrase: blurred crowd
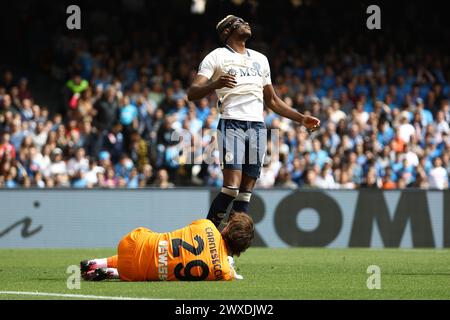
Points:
[[384, 119]]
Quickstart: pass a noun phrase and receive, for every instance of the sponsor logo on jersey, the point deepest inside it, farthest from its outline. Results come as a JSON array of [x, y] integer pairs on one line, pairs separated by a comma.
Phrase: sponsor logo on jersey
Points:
[[253, 71], [163, 247], [256, 66], [232, 72], [249, 72]]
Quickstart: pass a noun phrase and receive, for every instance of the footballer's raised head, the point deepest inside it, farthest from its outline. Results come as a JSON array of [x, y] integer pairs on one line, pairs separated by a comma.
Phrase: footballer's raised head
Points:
[[238, 233], [233, 26]]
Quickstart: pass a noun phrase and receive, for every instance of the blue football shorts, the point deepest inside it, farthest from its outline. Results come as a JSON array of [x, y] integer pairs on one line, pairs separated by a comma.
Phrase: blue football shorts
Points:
[[242, 145]]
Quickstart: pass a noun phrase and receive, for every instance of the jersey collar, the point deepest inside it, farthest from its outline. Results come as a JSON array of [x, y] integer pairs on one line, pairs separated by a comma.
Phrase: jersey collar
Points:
[[231, 49]]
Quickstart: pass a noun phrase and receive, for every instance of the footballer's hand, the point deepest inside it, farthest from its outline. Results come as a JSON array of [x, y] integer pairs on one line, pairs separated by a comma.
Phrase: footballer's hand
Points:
[[225, 80], [311, 123]]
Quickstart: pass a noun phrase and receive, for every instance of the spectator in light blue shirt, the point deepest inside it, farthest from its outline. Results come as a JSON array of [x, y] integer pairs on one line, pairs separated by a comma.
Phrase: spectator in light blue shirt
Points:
[[318, 155], [320, 91], [340, 88], [10, 178], [181, 110], [86, 62], [385, 134], [133, 179], [426, 163], [128, 112], [427, 116], [328, 80], [130, 74], [195, 124], [397, 167], [203, 109], [178, 91], [124, 167], [361, 87]]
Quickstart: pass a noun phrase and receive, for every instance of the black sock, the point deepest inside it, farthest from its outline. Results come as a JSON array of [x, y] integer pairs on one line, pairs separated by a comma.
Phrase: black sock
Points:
[[240, 206], [219, 206], [242, 202]]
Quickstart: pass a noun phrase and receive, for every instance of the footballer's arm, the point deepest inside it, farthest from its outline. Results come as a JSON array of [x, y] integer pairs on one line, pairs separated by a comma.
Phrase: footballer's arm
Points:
[[273, 102], [200, 87]]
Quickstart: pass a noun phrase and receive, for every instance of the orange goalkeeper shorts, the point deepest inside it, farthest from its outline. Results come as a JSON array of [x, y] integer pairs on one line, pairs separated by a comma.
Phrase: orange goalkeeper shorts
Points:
[[131, 264]]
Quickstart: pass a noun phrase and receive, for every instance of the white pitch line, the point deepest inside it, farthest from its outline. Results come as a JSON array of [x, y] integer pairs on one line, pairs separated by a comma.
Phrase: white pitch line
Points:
[[65, 295]]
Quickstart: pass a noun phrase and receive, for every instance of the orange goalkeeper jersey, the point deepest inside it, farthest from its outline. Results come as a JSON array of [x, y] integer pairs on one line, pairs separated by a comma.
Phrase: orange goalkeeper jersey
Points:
[[195, 252]]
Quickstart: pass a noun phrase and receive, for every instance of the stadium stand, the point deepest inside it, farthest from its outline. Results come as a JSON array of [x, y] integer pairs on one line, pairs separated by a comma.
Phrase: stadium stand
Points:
[[383, 101]]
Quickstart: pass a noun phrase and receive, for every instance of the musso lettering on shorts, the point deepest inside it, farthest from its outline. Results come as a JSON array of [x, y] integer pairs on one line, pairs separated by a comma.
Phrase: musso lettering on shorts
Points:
[[246, 309], [163, 248], [217, 267]]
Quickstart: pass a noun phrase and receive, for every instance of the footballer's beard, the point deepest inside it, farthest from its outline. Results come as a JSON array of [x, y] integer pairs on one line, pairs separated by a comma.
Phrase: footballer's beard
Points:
[[244, 36]]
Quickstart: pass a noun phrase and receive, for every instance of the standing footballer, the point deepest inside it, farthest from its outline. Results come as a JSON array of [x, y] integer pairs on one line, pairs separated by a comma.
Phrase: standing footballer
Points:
[[241, 80]]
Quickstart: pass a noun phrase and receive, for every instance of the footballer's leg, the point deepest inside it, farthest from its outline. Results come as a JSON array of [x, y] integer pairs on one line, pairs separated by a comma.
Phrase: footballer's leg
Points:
[[227, 194], [111, 262], [99, 269], [100, 274], [255, 148], [242, 201], [231, 148], [89, 265]]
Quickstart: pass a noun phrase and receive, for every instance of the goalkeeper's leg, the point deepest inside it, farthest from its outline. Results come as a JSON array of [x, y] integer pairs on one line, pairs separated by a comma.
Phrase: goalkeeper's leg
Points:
[[99, 269]]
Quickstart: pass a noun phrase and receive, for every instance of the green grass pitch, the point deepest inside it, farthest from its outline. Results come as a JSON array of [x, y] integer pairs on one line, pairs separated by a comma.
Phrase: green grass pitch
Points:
[[269, 274]]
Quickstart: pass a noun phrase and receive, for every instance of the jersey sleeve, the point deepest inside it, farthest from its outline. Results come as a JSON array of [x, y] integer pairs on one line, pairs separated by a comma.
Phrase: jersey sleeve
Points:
[[208, 66], [266, 73]]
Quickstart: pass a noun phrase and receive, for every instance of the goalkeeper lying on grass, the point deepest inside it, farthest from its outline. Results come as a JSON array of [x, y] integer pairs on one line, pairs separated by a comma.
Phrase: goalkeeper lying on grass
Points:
[[198, 251]]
